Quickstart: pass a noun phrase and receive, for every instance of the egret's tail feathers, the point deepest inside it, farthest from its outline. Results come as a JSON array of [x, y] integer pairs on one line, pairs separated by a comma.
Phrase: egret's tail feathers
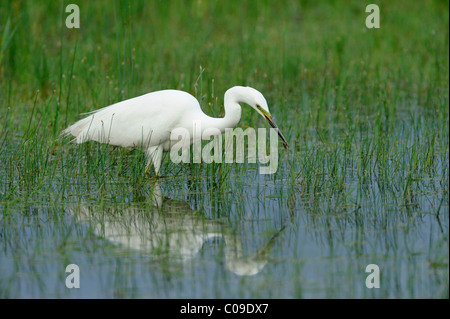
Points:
[[79, 130]]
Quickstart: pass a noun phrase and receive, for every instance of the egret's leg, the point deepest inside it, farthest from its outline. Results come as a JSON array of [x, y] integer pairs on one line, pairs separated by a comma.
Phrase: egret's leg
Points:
[[157, 195], [154, 155]]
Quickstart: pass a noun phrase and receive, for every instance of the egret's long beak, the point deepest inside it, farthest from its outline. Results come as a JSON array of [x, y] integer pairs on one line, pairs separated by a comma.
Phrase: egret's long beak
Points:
[[268, 117]]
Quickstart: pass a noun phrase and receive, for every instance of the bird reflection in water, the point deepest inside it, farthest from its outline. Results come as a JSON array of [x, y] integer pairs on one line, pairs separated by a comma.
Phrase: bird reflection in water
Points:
[[171, 229]]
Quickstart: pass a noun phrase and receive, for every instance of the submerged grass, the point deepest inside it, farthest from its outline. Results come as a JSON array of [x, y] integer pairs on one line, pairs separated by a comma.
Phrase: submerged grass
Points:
[[365, 111]]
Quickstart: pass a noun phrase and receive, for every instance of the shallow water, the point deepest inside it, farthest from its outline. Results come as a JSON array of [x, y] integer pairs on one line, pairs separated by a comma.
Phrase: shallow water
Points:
[[256, 241], [365, 180]]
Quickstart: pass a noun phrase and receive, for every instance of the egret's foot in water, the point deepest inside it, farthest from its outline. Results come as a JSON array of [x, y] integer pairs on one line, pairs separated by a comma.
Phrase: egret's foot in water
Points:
[[155, 176]]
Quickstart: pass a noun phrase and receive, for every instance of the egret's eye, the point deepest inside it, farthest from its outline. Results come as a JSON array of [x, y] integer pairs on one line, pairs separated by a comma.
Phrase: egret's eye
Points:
[[264, 112]]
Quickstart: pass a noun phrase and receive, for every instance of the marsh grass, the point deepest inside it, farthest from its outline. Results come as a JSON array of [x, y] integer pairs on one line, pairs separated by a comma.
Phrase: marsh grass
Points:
[[365, 113]]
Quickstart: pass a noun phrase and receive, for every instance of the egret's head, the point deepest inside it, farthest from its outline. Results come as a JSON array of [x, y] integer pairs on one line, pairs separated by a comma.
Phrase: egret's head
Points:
[[256, 100]]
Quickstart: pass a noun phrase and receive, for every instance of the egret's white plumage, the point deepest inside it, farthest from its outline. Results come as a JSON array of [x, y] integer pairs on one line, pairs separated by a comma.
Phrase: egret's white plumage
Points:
[[147, 121]]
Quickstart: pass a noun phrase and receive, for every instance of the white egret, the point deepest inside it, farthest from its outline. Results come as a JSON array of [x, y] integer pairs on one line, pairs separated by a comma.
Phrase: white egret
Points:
[[147, 121]]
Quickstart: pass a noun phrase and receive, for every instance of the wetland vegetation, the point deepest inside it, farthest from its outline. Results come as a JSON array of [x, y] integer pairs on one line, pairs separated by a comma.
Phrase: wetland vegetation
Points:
[[365, 179]]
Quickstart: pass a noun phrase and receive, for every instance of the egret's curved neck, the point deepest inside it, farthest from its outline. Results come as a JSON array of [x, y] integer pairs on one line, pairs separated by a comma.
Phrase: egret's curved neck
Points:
[[232, 110]]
